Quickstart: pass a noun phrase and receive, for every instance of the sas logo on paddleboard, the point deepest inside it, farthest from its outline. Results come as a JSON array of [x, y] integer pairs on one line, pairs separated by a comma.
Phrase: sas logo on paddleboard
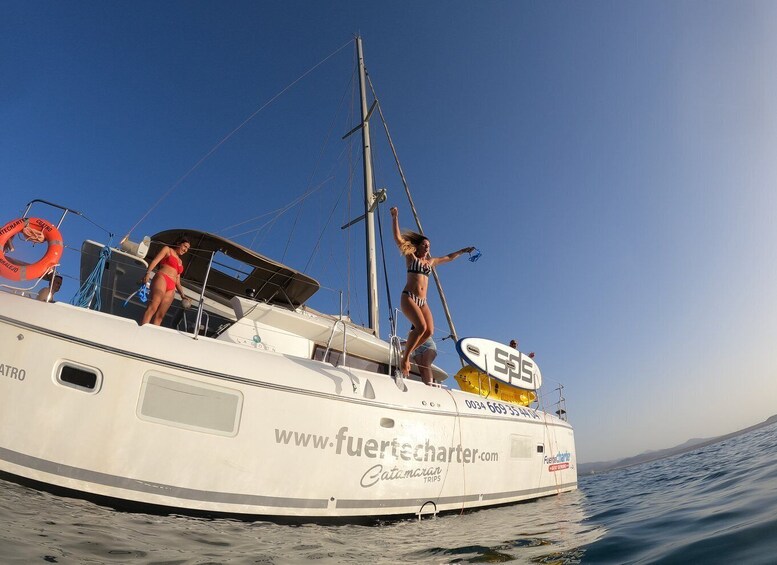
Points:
[[559, 461]]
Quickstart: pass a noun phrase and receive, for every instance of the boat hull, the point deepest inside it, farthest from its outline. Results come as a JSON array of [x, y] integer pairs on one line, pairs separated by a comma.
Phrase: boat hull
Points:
[[206, 426]]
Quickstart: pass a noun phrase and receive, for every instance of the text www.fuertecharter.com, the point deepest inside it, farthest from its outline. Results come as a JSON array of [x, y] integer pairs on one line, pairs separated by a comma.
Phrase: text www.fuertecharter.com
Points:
[[355, 446]]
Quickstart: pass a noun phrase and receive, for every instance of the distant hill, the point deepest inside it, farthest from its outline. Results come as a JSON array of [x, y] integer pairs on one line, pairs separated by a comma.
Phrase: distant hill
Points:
[[691, 444]]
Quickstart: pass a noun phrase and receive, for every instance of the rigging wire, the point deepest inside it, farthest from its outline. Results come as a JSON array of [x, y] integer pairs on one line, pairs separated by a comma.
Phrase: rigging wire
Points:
[[323, 230], [249, 220], [351, 167], [348, 239], [229, 135], [457, 420], [348, 185], [318, 162], [278, 212], [271, 223], [300, 200], [376, 166], [385, 272], [412, 208]]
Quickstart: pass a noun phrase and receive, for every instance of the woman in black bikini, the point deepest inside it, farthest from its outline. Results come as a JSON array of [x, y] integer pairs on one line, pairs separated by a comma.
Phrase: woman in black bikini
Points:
[[415, 248], [166, 281]]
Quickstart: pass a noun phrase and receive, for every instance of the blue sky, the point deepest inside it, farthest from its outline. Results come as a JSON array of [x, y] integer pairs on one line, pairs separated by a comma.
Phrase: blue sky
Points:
[[612, 160]]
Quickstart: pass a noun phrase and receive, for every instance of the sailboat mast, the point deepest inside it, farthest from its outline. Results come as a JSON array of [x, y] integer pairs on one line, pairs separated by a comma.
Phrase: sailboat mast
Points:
[[369, 220]]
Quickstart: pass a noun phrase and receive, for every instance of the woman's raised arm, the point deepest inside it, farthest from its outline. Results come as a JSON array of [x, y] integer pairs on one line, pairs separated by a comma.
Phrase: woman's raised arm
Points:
[[451, 256], [395, 227]]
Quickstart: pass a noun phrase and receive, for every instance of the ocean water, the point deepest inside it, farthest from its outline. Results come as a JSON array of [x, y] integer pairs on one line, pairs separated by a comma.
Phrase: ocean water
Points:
[[714, 505]]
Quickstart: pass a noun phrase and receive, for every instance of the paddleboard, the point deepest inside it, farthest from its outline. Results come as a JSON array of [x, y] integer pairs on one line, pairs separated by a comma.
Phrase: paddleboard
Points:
[[477, 382], [500, 362]]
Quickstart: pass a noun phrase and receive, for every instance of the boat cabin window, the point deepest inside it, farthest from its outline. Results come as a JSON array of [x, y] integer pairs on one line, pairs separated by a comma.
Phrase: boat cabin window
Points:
[[79, 377], [211, 324], [189, 404], [335, 357], [355, 362], [230, 267]]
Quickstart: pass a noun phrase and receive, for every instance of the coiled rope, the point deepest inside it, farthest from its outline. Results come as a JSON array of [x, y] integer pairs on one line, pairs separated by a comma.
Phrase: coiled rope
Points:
[[88, 296]]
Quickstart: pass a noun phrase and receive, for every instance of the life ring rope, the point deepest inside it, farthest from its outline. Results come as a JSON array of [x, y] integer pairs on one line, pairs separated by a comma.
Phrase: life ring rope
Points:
[[36, 230]]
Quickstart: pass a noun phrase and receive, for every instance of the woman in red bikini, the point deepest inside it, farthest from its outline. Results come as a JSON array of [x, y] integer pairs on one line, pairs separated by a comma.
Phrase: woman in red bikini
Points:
[[415, 248], [167, 279]]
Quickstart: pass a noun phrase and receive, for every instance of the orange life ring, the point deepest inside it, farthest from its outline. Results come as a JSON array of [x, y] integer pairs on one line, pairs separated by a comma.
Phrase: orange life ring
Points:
[[34, 228]]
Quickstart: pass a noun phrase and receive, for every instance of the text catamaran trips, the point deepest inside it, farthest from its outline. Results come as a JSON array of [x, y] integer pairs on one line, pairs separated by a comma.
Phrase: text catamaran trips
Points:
[[253, 404]]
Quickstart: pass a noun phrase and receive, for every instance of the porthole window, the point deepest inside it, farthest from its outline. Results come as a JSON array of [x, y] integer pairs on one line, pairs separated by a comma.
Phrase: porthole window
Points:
[[79, 377]]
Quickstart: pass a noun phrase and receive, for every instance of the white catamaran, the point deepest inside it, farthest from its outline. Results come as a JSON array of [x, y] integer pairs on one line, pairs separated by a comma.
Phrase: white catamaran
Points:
[[253, 404]]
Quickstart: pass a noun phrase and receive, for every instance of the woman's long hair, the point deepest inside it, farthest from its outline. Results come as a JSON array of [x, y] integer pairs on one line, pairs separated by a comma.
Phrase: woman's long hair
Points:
[[411, 242]]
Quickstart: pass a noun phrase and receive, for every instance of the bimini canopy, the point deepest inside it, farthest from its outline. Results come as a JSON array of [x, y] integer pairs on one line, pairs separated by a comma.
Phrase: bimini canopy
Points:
[[237, 271]]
